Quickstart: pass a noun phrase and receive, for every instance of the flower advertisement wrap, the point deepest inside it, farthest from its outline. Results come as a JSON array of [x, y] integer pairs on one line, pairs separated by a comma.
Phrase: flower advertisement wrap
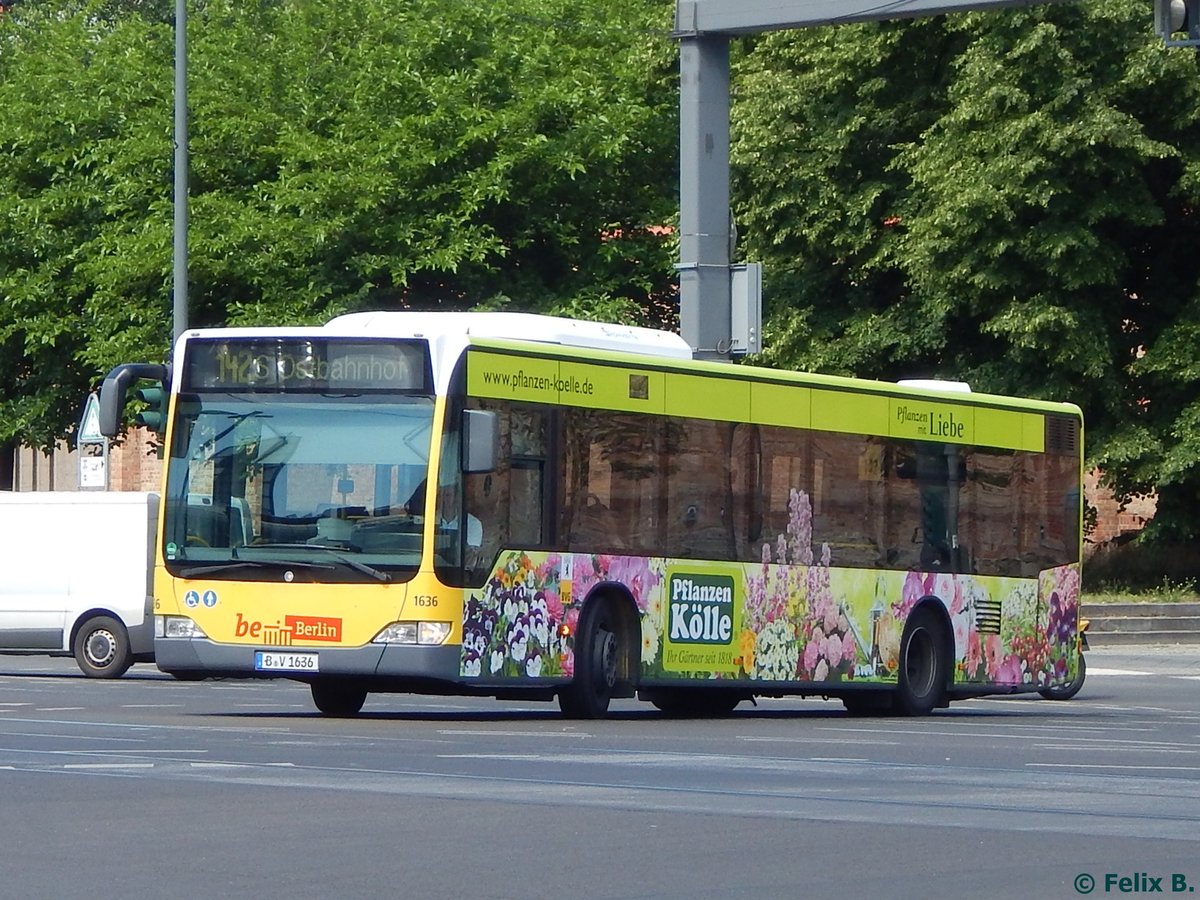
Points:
[[795, 617]]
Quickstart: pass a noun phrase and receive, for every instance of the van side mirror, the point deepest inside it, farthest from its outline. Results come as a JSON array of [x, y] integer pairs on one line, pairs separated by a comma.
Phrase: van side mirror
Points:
[[481, 440]]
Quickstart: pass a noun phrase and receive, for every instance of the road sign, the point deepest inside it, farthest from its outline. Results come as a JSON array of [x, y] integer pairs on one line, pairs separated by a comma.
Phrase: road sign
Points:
[[89, 425]]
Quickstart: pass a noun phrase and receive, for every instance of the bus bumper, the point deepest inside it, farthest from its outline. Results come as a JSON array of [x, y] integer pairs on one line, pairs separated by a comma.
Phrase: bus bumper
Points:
[[205, 658]]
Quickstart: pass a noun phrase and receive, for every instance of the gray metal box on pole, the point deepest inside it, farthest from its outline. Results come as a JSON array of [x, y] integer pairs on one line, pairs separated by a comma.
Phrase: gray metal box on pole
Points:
[[745, 282]]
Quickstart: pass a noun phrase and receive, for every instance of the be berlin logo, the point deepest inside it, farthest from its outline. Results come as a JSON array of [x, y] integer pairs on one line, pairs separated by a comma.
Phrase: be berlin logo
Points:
[[1137, 883]]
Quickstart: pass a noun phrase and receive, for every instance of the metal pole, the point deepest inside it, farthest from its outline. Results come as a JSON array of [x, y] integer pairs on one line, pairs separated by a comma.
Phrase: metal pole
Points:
[[704, 252], [180, 257]]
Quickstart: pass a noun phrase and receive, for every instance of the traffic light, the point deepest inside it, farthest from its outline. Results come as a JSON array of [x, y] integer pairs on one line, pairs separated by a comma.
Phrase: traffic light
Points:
[[154, 416], [1177, 22]]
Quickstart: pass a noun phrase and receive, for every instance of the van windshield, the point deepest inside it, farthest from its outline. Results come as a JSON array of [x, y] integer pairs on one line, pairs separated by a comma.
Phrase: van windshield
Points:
[[326, 484]]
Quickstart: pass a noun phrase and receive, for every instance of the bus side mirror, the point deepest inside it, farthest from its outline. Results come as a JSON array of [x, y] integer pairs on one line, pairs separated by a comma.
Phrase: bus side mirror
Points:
[[117, 382], [481, 440]]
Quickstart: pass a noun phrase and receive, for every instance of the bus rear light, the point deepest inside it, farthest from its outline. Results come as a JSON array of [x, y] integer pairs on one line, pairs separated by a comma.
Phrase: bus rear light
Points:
[[177, 627], [426, 633]]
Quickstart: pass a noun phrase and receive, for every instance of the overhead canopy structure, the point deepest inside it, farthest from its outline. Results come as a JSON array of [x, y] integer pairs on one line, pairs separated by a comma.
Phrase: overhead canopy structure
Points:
[[704, 29], [732, 17]]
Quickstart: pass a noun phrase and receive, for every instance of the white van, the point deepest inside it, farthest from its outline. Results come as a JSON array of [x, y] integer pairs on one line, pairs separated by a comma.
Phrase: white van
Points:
[[76, 573]]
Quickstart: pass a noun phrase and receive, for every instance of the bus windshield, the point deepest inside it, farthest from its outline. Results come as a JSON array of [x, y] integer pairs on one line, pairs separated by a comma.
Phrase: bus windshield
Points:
[[325, 486]]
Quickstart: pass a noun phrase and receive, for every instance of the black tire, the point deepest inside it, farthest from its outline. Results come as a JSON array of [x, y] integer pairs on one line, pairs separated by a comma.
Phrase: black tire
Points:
[[597, 653], [338, 698], [101, 648], [695, 702], [923, 665], [1071, 688]]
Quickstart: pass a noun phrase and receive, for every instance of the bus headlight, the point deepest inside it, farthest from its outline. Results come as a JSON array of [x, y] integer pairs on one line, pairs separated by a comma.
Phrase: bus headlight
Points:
[[177, 627], [432, 632], [427, 633]]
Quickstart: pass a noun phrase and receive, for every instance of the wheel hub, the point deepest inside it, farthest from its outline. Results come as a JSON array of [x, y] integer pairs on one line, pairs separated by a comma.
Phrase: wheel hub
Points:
[[919, 662], [608, 657], [101, 647]]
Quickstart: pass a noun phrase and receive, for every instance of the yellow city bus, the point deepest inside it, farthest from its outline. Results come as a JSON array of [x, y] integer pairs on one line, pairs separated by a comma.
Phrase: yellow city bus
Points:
[[525, 506]]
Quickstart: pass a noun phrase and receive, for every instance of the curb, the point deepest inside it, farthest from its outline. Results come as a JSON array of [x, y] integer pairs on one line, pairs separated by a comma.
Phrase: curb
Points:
[[1121, 624]]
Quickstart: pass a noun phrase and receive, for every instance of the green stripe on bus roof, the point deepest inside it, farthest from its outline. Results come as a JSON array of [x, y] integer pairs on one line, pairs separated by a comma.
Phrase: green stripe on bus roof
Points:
[[597, 379]]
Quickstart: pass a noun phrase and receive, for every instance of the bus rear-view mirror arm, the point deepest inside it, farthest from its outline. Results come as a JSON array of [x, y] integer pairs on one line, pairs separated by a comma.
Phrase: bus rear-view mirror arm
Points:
[[116, 384]]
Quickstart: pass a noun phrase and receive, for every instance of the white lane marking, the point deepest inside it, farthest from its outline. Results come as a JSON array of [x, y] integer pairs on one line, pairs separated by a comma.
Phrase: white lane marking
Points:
[[1134, 766], [1149, 748], [993, 735], [766, 739], [143, 752], [505, 757], [108, 766], [230, 765], [60, 708], [73, 737], [534, 734], [220, 765], [1098, 671]]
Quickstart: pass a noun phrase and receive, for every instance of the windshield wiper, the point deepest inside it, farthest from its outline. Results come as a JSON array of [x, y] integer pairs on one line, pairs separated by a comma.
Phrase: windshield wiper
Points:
[[251, 564], [335, 552]]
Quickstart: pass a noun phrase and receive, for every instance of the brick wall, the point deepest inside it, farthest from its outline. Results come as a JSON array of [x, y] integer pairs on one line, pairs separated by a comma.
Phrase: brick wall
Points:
[[1112, 521], [132, 466]]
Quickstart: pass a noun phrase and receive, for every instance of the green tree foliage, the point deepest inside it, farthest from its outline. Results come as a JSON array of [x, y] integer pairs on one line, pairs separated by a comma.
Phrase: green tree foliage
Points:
[[362, 154], [1007, 198]]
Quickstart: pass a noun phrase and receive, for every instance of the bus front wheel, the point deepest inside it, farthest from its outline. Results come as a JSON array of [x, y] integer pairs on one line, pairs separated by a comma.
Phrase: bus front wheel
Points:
[[597, 651], [336, 698], [923, 662]]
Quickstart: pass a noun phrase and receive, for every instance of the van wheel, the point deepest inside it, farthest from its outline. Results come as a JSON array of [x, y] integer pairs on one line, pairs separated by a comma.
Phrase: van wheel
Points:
[[102, 648], [338, 698]]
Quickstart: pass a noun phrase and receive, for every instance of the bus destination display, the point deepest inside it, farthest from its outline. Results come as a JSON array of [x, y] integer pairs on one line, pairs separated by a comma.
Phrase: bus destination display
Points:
[[305, 365]]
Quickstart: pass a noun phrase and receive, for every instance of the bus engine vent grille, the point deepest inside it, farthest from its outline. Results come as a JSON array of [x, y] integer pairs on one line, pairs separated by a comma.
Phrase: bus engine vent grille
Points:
[[1062, 434], [987, 616]]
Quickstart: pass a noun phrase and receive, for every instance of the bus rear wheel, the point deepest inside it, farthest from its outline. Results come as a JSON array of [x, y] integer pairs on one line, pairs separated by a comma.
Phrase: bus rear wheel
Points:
[[1071, 688], [337, 698], [597, 652], [923, 665]]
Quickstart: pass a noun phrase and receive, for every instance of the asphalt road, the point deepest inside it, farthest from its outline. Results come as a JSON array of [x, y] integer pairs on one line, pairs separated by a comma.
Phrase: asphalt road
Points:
[[150, 787]]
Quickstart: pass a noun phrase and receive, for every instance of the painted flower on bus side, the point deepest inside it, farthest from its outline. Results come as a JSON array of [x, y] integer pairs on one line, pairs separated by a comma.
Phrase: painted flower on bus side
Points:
[[642, 576], [512, 629], [774, 657], [793, 627], [1061, 589], [776, 597], [829, 648]]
